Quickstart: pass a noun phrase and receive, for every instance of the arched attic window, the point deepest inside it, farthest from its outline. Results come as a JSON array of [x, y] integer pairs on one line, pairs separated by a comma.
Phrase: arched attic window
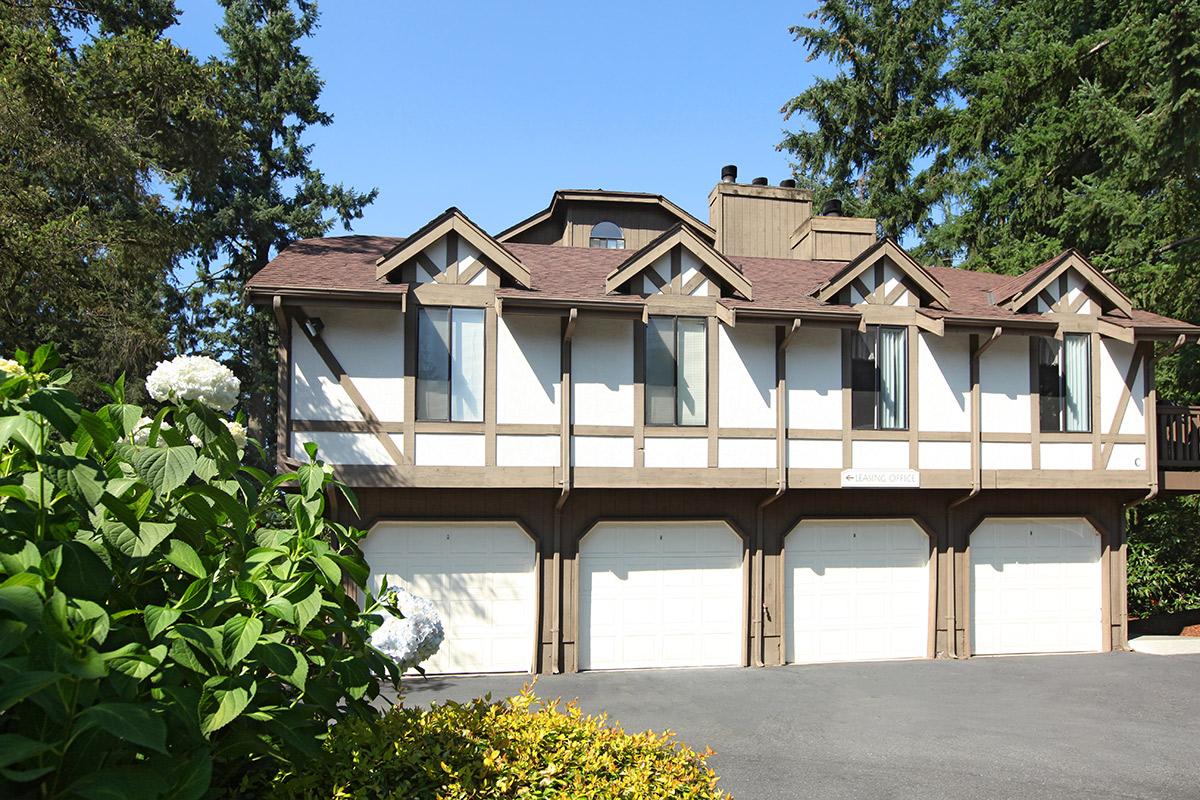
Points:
[[607, 235]]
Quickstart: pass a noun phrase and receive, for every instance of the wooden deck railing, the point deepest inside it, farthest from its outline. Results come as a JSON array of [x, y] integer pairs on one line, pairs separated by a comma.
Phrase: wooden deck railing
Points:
[[1179, 437]]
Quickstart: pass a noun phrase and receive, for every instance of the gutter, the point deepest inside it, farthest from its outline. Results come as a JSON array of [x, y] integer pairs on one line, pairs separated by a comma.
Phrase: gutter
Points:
[[976, 486], [760, 640], [564, 438]]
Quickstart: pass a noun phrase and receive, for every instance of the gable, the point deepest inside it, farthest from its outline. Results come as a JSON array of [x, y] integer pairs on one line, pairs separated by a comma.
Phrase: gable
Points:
[[556, 224], [884, 274], [678, 262], [452, 249], [1068, 284]]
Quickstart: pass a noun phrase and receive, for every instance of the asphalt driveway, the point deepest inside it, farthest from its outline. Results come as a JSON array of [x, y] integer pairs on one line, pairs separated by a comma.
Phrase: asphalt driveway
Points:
[[1085, 726]]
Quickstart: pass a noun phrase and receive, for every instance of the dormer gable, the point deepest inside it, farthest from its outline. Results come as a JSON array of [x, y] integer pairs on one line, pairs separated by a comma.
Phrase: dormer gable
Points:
[[570, 218], [678, 262], [884, 274], [1066, 284], [451, 249]]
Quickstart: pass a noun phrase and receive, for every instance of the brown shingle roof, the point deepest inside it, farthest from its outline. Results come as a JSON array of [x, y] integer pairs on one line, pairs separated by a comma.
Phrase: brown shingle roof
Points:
[[347, 264]]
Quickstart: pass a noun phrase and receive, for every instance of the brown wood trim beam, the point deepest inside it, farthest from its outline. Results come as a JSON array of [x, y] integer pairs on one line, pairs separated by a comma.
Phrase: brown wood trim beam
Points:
[[1114, 427], [283, 378]]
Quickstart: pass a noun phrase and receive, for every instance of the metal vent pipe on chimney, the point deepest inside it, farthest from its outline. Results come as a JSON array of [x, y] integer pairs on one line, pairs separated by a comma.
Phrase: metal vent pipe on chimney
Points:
[[729, 173], [787, 183], [832, 207], [759, 182]]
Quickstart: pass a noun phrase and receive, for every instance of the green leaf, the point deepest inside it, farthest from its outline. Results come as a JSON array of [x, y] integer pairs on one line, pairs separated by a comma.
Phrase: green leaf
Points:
[[142, 780], [21, 602], [165, 468], [15, 748], [129, 721], [312, 479], [196, 596], [307, 607], [232, 699], [192, 777], [329, 568], [239, 635], [136, 661], [101, 432], [184, 556], [21, 429], [59, 407], [137, 542], [284, 661], [82, 573], [159, 618], [16, 688]]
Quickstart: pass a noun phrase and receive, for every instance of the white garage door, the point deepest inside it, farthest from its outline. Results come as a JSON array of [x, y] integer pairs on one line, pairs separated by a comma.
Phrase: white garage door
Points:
[[1035, 586], [660, 595], [857, 590], [479, 576]]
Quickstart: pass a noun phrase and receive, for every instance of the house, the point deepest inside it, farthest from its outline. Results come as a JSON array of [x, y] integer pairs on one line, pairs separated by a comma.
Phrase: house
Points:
[[614, 435]]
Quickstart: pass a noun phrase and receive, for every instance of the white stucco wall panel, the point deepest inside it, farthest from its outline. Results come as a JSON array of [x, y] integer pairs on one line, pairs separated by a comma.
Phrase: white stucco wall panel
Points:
[[814, 453], [1128, 457], [1066, 455], [1006, 455], [746, 453], [528, 371], [346, 448], [746, 359], [602, 451], [602, 371], [527, 451], [944, 375], [1115, 360], [944, 455], [449, 450], [369, 344], [879, 455], [1004, 386], [814, 379], [678, 453]]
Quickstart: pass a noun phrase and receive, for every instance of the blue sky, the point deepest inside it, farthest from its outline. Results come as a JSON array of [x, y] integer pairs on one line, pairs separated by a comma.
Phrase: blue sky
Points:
[[492, 106]]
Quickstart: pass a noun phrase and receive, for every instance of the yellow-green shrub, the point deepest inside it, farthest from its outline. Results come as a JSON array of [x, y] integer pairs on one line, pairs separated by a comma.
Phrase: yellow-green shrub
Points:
[[520, 748]]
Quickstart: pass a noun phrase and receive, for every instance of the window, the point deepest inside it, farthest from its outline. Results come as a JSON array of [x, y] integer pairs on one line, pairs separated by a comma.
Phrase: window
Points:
[[608, 236], [878, 378], [450, 364], [676, 371], [1065, 383]]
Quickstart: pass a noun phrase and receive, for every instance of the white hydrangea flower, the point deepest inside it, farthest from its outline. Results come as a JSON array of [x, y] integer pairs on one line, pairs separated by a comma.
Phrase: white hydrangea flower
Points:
[[10, 368], [140, 434], [416, 638], [199, 378], [238, 432]]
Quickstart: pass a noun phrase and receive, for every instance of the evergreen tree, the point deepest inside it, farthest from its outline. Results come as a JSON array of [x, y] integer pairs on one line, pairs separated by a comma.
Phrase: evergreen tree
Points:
[[882, 114], [99, 113], [266, 195]]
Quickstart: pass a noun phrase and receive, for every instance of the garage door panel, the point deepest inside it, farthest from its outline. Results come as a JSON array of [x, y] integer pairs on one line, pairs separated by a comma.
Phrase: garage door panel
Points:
[[1036, 586], [672, 597], [857, 590], [480, 577]]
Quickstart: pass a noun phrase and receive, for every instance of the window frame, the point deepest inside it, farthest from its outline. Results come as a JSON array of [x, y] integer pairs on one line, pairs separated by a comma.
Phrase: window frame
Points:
[[848, 340], [646, 399], [594, 240], [1060, 348], [418, 416]]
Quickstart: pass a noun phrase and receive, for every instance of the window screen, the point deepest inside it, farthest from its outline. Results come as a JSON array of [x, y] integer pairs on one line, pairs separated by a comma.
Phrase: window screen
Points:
[[1065, 383], [450, 364], [878, 362], [676, 371]]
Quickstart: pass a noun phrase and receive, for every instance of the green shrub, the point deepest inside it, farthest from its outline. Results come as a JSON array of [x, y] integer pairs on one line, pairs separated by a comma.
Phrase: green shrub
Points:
[[170, 619], [523, 747], [1164, 557]]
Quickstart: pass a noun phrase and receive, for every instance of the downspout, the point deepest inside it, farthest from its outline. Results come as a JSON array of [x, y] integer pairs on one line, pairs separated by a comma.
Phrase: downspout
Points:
[[564, 437], [976, 486], [760, 639]]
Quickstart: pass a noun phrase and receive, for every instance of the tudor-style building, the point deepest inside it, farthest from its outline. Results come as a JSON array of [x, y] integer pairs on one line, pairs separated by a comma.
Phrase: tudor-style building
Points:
[[615, 436]]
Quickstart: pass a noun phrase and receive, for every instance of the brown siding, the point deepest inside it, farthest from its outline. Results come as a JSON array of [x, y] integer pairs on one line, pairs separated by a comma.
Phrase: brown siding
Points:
[[639, 224], [757, 221], [949, 530]]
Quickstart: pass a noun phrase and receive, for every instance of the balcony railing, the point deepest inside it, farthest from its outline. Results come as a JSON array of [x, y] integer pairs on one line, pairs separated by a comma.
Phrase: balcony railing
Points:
[[1179, 437]]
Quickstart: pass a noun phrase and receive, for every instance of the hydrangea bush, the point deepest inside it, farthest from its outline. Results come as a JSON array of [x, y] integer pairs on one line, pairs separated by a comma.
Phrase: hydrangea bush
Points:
[[412, 638], [172, 621]]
